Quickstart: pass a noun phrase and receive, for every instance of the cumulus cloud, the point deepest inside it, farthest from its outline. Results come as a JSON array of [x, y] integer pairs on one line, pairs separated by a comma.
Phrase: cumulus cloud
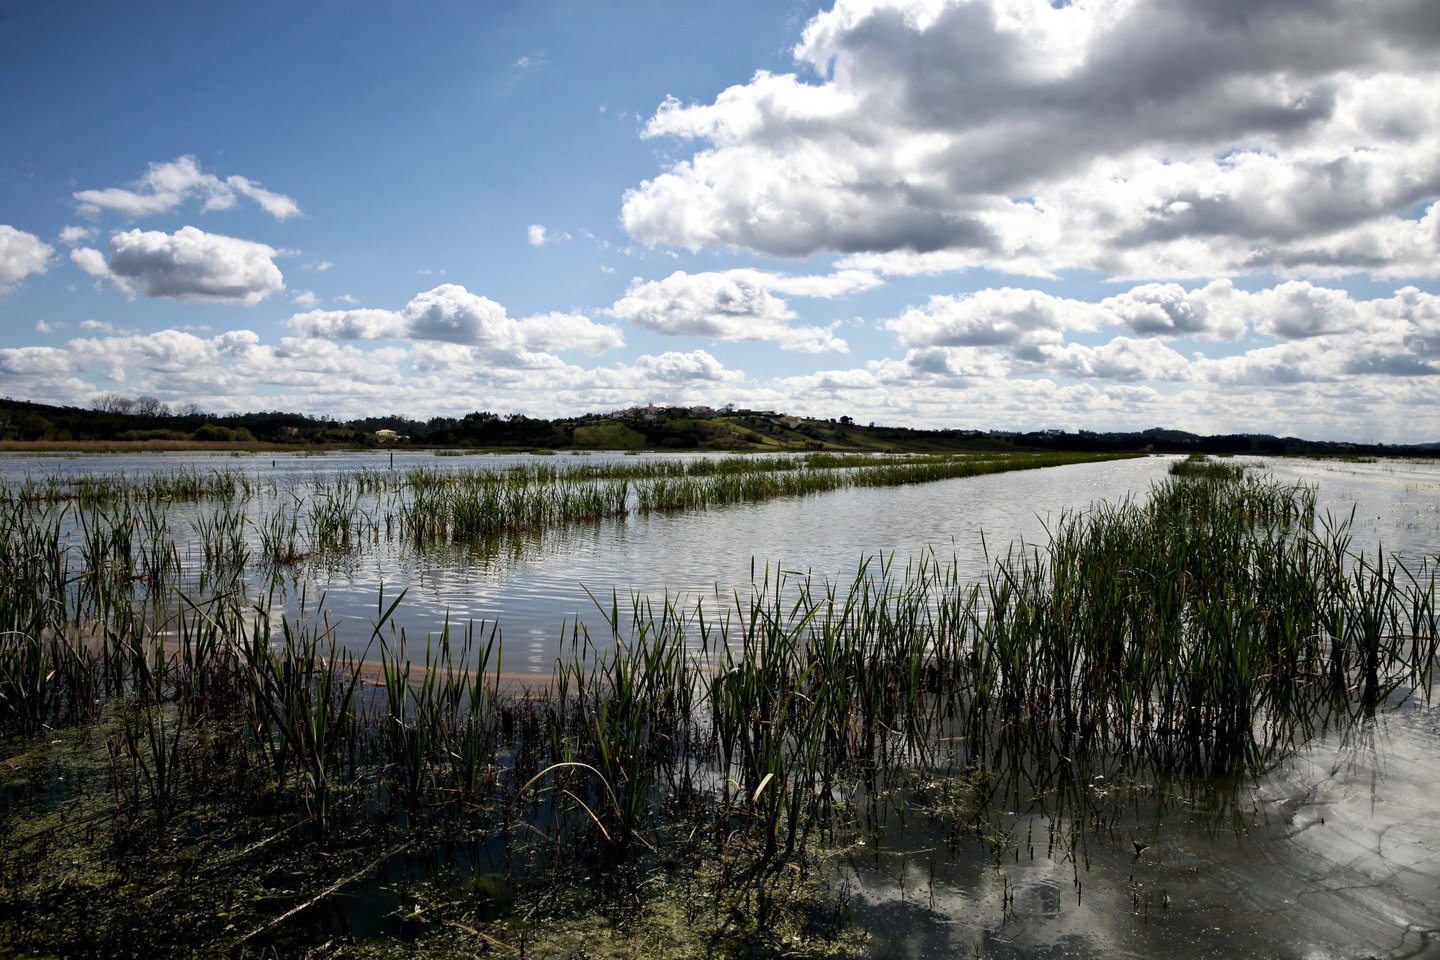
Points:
[[1295, 310], [1360, 384], [569, 331], [189, 265], [73, 236], [349, 324], [91, 261], [993, 318], [452, 314], [671, 377], [1168, 309], [35, 362], [166, 186], [673, 367], [21, 254], [737, 305], [1123, 358], [1020, 319], [1419, 315], [535, 235], [1324, 335], [1145, 139], [947, 364]]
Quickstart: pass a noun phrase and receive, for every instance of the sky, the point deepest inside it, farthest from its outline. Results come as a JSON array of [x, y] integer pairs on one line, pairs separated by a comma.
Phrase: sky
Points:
[[1211, 215]]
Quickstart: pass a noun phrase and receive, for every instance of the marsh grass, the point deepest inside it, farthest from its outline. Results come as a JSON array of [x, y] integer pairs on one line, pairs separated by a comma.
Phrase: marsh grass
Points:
[[1182, 644]]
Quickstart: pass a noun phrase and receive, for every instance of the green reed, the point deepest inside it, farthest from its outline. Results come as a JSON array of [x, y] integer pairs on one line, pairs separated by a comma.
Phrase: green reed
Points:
[[1198, 636], [183, 484]]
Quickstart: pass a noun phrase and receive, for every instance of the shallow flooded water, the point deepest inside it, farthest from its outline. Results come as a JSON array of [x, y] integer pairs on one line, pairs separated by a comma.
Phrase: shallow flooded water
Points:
[[1333, 851], [535, 584]]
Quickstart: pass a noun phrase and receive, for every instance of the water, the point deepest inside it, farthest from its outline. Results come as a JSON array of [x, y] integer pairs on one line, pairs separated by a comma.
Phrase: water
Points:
[[1396, 503], [534, 585], [1335, 852]]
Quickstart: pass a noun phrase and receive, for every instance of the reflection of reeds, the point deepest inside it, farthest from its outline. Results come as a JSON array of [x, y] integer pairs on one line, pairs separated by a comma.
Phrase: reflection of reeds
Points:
[[1202, 635]]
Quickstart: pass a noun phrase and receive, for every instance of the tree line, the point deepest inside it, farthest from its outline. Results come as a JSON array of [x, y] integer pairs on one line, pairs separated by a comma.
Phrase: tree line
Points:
[[113, 417]]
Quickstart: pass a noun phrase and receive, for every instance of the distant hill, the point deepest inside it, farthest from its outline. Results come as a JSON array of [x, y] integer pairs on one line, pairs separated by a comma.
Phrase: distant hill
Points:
[[115, 420]]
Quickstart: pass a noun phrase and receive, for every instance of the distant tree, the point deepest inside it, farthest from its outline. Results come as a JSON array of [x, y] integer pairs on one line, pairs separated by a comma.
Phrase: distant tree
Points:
[[34, 427], [113, 403], [151, 407], [846, 421], [213, 431]]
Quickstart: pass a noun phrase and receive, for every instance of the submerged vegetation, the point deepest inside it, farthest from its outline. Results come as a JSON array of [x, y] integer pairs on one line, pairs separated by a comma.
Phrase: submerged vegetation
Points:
[[178, 756]]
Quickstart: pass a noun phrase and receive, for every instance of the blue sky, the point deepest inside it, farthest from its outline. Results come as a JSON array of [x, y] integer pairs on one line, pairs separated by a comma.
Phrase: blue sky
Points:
[[1215, 216]]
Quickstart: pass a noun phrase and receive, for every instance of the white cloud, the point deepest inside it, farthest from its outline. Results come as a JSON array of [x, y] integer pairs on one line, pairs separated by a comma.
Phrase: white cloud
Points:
[[737, 305], [1141, 139], [535, 235], [569, 331], [1018, 319], [1360, 384], [73, 236], [944, 364], [838, 284], [1419, 313], [672, 367], [1298, 309], [450, 313], [21, 254], [305, 298], [91, 261], [993, 318], [35, 362], [1213, 312], [1325, 334], [672, 377], [189, 265], [1123, 358], [348, 324], [166, 186]]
